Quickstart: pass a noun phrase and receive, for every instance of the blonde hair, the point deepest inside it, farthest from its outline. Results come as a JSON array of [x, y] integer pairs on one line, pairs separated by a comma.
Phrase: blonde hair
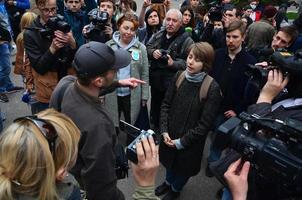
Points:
[[205, 53], [26, 20], [27, 166]]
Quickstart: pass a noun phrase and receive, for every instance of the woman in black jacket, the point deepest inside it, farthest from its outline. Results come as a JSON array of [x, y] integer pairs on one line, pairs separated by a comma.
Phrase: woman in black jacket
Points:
[[186, 119]]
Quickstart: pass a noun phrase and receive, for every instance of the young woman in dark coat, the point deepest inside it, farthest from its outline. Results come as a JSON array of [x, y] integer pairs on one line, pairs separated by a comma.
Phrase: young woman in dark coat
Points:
[[186, 120]]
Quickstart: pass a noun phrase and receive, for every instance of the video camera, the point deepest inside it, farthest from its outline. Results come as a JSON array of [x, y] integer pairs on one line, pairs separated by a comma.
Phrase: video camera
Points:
[[137, 134], [53, 24], [98, 20], [273, 147], [284, 61]]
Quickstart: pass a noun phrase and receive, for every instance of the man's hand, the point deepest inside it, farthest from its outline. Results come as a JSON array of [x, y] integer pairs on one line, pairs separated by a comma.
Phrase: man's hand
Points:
[[148, 161], [167, 140], [170, 60], [156, 54], [55, 45], [229, 114], [237, 179], [274, 85], [130, 82], [146, 3]]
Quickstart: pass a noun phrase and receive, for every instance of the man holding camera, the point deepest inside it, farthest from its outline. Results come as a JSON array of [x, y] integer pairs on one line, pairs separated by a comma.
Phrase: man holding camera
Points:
[[271, 106], [102, 24], [50, 52], [96, 65], [167, 52]]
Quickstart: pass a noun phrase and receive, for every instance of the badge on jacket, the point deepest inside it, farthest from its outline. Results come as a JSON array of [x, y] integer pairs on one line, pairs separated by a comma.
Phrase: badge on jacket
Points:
[[135, 55]]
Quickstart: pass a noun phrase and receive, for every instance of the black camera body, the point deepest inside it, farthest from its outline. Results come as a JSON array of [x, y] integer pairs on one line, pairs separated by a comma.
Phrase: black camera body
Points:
[[215, 12], [273, 147], [164, 56], [53, 24], [284, 61], [157, 1], [98, 20]]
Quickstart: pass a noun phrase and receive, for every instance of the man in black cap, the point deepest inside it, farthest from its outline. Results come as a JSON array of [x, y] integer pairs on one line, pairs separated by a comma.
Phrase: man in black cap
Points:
[[78, 97]]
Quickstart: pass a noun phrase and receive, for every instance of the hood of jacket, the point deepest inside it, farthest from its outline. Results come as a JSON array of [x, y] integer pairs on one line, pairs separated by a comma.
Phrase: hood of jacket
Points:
[[116, 39]]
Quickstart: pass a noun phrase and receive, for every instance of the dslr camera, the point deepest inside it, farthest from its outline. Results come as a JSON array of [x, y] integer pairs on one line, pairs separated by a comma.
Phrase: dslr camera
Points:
[[287, 63], [215, 12], [53, 24], [164, 56], [273, 147], [137, 134], [98, 20]]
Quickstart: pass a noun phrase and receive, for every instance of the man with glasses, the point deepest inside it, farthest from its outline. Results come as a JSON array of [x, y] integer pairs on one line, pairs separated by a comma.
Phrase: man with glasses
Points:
[[50, 55]]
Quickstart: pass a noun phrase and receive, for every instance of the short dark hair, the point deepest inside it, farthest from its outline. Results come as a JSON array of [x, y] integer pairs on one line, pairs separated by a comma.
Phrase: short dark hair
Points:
[[85, 80], [112, 1], [292, 31], [237, 25]]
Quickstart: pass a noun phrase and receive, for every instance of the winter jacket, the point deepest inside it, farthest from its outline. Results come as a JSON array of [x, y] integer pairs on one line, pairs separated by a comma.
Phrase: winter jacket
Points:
[[184, 116], [139, 68]]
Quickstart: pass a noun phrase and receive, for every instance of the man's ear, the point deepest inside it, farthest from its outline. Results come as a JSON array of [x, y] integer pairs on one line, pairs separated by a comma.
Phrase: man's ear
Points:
[[99, 81]]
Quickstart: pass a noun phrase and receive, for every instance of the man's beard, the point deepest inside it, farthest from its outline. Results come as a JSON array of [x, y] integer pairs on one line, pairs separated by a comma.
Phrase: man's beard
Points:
[[106, 88]]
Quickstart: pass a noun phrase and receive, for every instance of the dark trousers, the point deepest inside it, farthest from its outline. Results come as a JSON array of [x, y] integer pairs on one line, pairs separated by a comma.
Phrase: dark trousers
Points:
[[177, 182], [157, 96], [124, 107], [38, 106]]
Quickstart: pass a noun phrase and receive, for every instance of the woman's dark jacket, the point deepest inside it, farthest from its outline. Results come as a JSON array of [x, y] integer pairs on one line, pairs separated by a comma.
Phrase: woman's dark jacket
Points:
[[184, 116]]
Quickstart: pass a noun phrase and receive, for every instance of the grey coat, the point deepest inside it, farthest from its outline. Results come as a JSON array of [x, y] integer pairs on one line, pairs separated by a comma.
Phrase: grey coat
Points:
[[138, 69]]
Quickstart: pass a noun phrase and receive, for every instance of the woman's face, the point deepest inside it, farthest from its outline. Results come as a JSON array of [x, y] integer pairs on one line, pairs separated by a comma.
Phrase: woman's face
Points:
[[194, 65], [186, 17], [194, 3], [127, 31], [153, 19]]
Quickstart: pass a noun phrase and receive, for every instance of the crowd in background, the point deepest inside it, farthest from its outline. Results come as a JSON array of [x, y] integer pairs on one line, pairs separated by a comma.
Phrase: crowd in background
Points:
[[190, 62]]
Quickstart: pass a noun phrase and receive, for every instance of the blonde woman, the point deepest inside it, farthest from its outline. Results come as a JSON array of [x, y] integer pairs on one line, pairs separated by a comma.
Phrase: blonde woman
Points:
[[36, 153], [22, 66]]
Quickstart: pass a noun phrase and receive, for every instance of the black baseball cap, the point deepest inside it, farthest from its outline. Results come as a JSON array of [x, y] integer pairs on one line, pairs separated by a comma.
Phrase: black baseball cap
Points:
[[95, 58]]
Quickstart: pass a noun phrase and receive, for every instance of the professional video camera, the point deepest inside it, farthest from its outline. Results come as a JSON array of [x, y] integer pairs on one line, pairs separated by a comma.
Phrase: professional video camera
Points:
[[53, 24], [98, 20], [273, 147], [137, 134], [284, 61]]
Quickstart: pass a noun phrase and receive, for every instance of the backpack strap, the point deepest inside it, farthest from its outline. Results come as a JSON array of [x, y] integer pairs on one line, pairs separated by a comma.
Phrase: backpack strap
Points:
[[204, 88], [180, 79]]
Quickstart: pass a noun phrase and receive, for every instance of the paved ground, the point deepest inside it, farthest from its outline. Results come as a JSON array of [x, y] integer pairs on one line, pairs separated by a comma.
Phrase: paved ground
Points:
[[198, 187]]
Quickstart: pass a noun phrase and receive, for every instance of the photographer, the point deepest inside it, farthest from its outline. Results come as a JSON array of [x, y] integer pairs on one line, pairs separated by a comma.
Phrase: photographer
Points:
[[270, 106], [50, 54], [167, 51], [102, 23]]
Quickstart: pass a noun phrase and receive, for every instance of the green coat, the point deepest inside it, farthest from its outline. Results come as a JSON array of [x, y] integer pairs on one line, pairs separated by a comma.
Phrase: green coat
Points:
[[140, 70]]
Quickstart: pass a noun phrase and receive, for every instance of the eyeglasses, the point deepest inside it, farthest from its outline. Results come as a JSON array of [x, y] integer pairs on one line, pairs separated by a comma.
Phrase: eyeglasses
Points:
[[47, 130], [47, 11]]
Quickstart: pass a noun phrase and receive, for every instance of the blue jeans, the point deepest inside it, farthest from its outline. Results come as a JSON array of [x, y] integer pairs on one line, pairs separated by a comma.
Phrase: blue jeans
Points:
[[38, 106], [220, 140], [5, 68], [177, 182], [226, 195]]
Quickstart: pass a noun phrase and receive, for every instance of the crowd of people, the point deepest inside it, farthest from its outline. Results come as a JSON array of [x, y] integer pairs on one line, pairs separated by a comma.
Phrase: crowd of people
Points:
[[88, 64]]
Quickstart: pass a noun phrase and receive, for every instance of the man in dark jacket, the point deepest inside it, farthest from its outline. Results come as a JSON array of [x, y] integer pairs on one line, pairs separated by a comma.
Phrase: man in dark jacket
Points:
[[78, 97], [50, 55], [229, 69], [167, 51]]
